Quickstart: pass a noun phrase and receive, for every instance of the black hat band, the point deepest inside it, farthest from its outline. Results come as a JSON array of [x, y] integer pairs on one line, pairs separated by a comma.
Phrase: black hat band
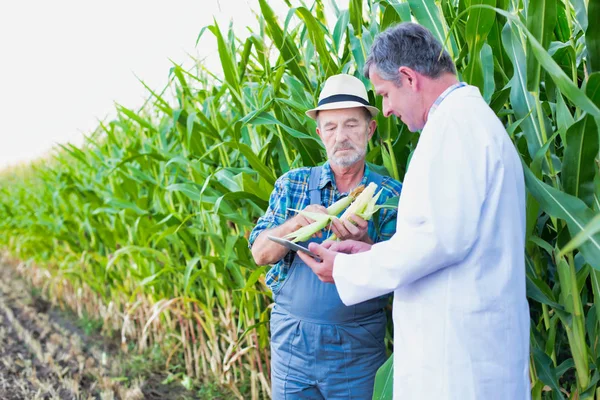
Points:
[[343, 97]]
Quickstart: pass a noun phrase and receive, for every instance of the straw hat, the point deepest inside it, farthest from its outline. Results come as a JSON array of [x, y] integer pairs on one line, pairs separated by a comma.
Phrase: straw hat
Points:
[[342, 91]]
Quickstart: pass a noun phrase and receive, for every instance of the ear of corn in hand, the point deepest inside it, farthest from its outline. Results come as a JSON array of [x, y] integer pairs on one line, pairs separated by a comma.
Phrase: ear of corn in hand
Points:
[[361, 201], [307, 231], [321, 220], [340, 205], [364, 206]]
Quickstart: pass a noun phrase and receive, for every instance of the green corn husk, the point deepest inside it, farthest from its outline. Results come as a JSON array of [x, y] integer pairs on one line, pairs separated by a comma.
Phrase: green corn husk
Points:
[[307, 231], [361, 202], [340, 205], [321, 220], [371, 208], [364, 206]]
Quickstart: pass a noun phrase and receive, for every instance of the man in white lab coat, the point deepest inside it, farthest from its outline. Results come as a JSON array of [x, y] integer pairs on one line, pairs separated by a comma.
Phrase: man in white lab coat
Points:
[[456, 262]]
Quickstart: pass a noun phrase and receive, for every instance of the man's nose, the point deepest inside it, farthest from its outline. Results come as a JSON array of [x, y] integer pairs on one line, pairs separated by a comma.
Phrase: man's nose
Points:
[[387, 110], [341, 134]]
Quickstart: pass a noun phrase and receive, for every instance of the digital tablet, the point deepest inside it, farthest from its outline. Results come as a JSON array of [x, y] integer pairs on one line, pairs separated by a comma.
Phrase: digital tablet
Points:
[[294, 246]]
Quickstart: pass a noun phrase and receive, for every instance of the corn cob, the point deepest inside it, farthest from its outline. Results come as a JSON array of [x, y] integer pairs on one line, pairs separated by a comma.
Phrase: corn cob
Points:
[[340, 205], [363, 206], [307, 231], [321, 220]]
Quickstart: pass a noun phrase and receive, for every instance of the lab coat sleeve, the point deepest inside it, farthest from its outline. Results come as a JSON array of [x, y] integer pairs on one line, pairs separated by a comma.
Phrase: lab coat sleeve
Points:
[[438, 216]]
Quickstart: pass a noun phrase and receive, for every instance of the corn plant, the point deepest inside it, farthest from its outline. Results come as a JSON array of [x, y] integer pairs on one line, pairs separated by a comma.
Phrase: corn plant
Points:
[[146, 225]]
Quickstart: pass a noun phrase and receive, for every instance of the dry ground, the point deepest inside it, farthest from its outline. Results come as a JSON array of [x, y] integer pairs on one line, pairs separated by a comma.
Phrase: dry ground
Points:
[[43, 355]]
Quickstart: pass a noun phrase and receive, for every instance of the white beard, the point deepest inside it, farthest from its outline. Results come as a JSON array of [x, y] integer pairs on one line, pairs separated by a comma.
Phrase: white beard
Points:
[[349, 158]]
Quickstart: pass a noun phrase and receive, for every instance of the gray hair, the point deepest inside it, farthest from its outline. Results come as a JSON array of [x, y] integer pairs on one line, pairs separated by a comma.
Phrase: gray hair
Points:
[[410, 45]]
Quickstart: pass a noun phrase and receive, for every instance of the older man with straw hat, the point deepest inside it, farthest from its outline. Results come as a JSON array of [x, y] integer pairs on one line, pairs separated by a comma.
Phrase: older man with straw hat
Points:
[[320, 347]]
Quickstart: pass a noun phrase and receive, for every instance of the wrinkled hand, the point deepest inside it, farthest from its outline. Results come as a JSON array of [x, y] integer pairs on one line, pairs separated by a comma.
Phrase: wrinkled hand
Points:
[[301, 220], [323, 269], [347, 246], [355, 228]]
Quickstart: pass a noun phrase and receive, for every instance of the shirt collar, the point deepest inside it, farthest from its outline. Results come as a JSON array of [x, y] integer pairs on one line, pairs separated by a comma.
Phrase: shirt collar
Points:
[[327, 176], [442, 96]]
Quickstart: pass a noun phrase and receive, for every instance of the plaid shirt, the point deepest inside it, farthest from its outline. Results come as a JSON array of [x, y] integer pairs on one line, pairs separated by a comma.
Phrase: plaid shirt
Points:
[[291, 192]]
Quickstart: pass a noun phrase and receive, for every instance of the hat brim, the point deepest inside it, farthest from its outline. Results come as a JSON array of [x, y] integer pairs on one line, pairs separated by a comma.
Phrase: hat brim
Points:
[[339, 105]]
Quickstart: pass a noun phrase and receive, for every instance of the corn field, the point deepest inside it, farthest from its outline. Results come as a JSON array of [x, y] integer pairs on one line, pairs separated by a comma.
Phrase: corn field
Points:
[[145, 226]]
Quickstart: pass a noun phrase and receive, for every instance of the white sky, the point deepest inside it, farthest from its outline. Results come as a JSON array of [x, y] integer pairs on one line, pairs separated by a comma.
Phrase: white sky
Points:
[[63, 63]]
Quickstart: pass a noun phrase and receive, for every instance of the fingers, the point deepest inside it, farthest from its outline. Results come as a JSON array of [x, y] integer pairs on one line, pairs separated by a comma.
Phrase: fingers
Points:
[[338, 227], [345, 246], [328, 243], [308, 260], [317, 248], [318, 268], [323, 269], [338, 246], [349, 247], [316, 208], [303, 221], [358, 221], [354, 228]]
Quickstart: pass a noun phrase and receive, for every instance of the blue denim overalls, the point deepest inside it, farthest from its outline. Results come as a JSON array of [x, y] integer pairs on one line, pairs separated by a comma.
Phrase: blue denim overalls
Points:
[[320, 348]]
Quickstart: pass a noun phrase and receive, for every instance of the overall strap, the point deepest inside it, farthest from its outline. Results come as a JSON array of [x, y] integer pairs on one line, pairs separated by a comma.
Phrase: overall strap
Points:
[[313, 185]]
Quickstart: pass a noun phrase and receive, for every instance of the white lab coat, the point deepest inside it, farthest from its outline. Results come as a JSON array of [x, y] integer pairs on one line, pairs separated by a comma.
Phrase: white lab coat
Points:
[[456, 262]]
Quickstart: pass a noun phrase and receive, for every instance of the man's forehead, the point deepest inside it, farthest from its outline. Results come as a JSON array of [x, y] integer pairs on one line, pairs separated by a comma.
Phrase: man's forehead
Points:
[[377, 82], [342, 115]]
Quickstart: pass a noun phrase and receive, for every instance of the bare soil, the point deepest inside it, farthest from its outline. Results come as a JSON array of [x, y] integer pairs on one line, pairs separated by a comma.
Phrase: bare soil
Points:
[[45, 355]]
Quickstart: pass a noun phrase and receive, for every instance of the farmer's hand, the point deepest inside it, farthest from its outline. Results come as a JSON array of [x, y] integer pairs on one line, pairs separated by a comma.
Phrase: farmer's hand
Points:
[[347, 246], [354, 228], [323, 269], [300, 220]]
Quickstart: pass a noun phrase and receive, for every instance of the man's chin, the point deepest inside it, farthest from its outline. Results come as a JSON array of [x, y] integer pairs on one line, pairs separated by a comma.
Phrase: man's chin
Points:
[[344, 162]]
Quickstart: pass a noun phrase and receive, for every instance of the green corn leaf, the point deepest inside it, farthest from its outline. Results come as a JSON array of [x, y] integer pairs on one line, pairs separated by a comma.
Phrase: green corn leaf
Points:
[[587, 233], [227, 59], [521, 100], [317, 35], [402, 9], [428, 14], [284, 43], [546, 372], [567, 87], [541, 19], [479, 24], [340, 29], [569, 208], [581, 13], [592, 36], [384, 381], [579, 166], [356, 11]]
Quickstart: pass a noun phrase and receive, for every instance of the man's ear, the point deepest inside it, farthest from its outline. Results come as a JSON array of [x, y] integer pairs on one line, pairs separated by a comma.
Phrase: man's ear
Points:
[[319, 131], [372, 127], [408, 77]]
